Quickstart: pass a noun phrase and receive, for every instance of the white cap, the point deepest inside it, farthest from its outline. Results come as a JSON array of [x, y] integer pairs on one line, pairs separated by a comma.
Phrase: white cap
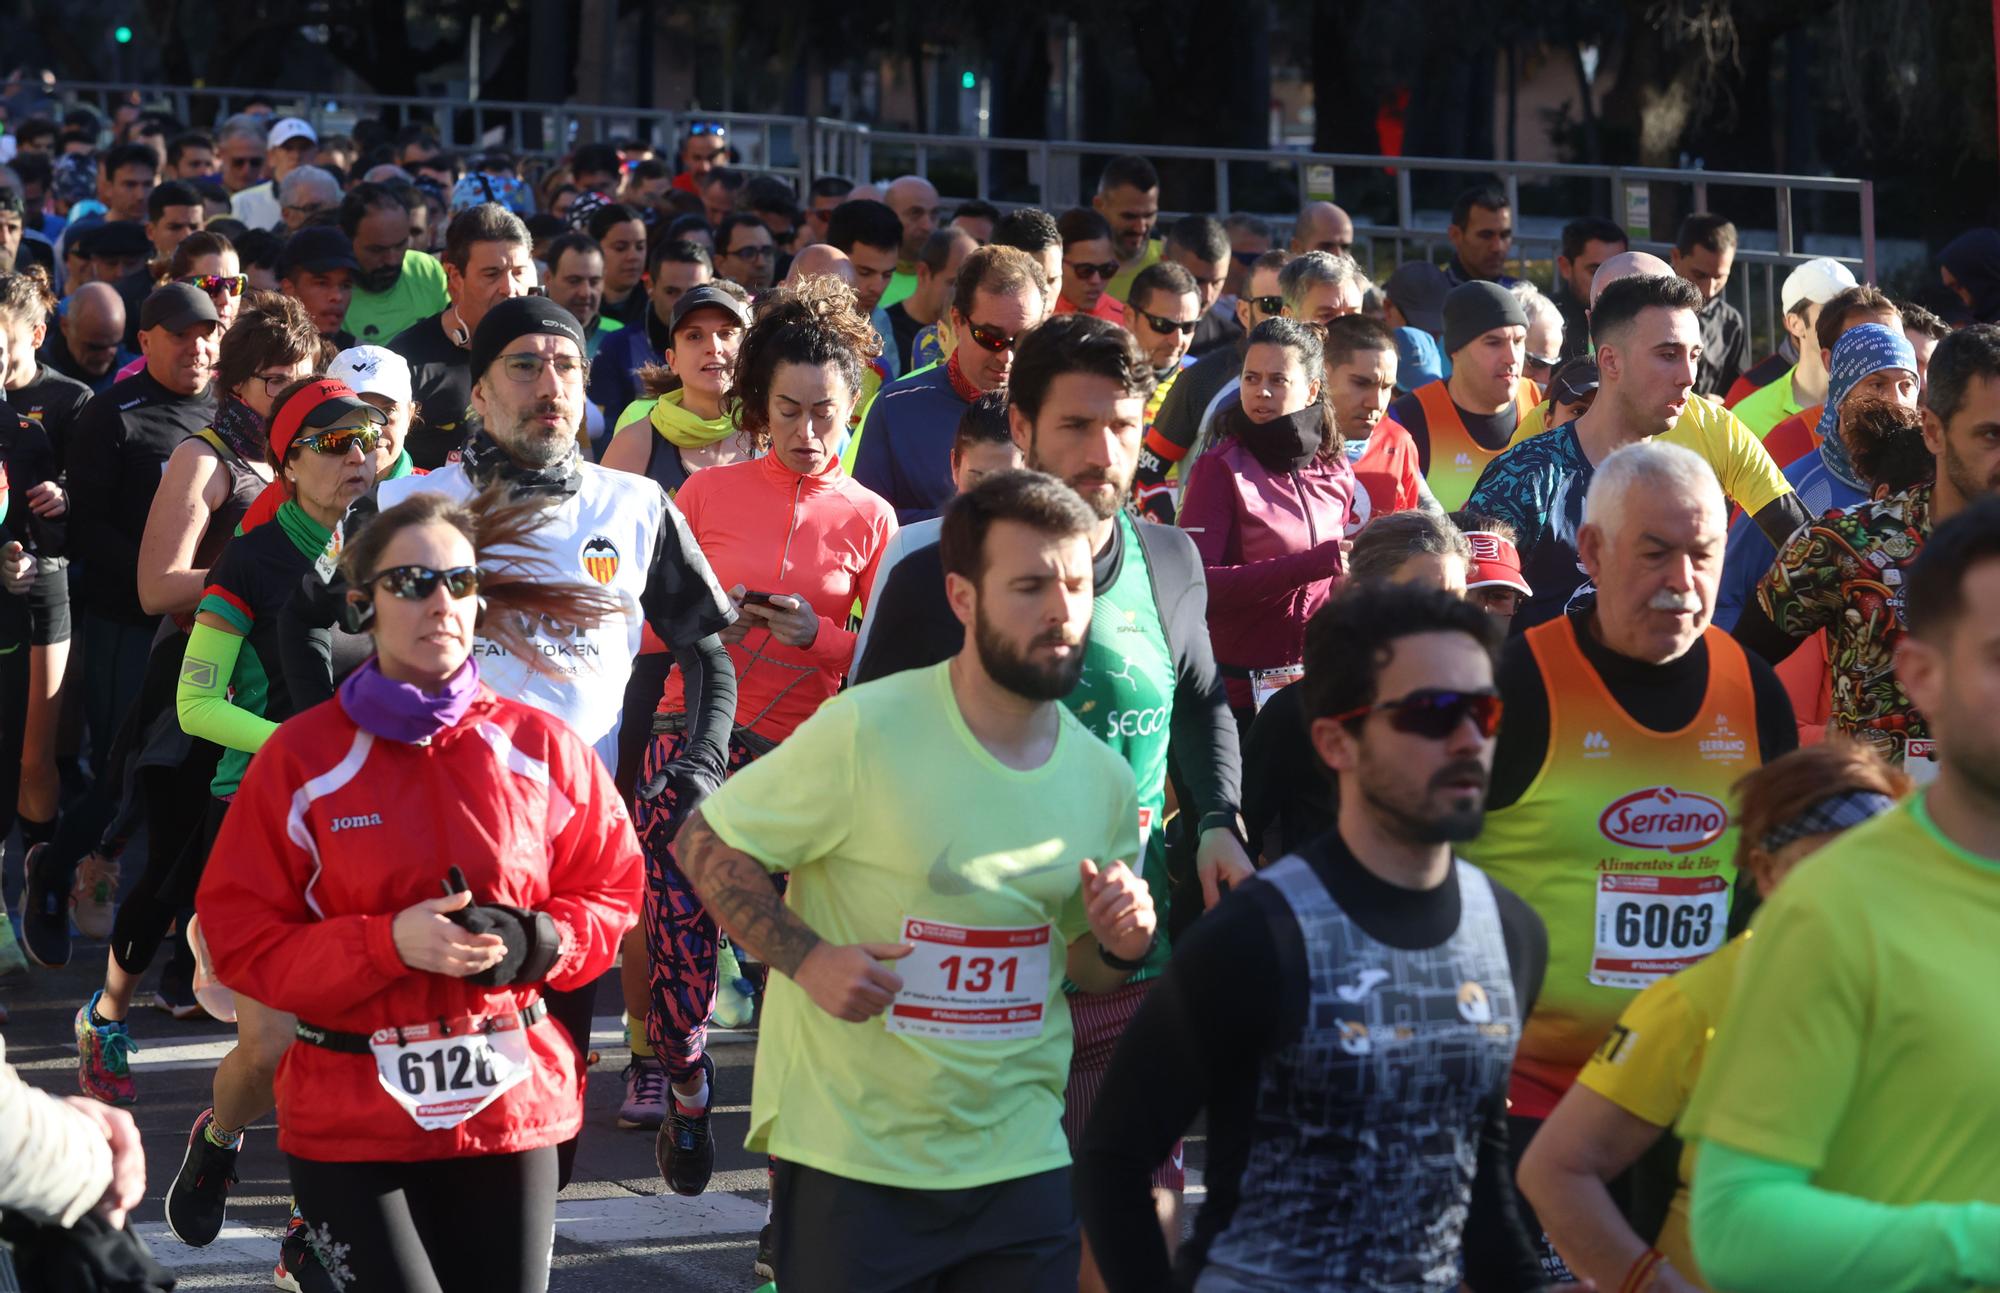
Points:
[[1818, 280], [373, 370], [289, 129]]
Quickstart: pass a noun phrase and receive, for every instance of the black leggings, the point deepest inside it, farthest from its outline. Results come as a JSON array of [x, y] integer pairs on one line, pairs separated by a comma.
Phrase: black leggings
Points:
[[482, 1225]]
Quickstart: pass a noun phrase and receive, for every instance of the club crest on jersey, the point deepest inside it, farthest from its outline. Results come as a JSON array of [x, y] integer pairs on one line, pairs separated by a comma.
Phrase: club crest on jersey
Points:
[[600, 559], [1660, 817]]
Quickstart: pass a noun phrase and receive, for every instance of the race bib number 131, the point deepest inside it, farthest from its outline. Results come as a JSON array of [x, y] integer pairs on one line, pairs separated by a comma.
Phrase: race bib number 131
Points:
[[972, 984]]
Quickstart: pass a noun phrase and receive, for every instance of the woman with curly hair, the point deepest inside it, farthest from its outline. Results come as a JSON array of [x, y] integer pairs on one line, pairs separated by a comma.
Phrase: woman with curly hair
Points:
[[796, 541]]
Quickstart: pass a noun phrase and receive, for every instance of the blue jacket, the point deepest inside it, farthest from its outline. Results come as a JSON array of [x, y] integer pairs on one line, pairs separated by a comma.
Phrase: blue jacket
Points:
[[905, 449]]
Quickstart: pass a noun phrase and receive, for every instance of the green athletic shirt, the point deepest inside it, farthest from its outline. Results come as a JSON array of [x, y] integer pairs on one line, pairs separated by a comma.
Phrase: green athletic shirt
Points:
[[883, 806], [901, 285], [1858, 1044], [1765, 407], [1120, 286], [374, 317], [1126, 699]]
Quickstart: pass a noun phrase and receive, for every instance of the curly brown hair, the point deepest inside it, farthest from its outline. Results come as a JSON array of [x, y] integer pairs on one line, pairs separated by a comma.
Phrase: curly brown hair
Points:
[[26, 296], [816, 320], [520, 592]]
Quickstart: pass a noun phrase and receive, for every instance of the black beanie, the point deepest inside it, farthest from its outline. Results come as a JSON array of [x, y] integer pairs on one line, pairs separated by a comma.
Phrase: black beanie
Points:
[[1470, 309], [518, 317]]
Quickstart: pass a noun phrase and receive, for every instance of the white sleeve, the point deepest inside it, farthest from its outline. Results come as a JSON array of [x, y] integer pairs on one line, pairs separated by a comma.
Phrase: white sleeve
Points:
[[58, 1163]]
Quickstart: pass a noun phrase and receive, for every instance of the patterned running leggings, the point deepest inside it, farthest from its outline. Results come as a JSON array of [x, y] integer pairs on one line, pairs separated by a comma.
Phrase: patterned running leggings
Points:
[[680, 934]]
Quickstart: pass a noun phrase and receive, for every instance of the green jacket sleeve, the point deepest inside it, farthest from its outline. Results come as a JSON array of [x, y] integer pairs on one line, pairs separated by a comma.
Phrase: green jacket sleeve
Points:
[[201, 698], [1761, 1225]]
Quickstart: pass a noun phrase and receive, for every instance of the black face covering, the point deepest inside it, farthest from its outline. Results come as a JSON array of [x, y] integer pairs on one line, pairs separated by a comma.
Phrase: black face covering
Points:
[[1287, 443], [487, 462], [380, 279]]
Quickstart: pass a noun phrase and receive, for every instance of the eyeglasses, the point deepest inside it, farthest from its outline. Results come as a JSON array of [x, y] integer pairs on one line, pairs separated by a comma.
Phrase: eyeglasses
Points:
[[1434, 714], [762, 251], [336, 443], [217, 284], [991, 338], [1267, 304], [416, 583], [525, 368], [246, 163], [1171, 325], [275, 382], [1084, 269]]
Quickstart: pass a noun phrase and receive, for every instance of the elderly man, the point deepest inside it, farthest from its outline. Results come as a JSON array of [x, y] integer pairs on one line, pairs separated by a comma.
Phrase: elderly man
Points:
[[306, 195], [1322, 226], [915, 201], [86, 342], [291, 144], [1627, 723]]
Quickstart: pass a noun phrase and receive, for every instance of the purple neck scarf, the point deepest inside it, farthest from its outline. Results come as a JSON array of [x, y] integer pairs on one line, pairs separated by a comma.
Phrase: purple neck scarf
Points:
[[398, 711]]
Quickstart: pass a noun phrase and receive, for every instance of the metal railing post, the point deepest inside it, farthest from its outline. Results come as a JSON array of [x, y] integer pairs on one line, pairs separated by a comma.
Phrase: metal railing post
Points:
[[1784, 194], [1868, 231]]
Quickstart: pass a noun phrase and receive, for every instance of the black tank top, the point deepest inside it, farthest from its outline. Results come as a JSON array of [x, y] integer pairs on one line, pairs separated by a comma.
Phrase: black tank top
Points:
[[245, 484], [663, 463]]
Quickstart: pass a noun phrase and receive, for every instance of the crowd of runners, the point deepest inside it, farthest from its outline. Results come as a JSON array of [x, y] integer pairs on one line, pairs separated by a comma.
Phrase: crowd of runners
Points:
[[1514, 770]]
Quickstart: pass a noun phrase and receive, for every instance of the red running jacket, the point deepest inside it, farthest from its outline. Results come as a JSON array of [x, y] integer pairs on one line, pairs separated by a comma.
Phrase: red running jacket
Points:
[[335, 830]]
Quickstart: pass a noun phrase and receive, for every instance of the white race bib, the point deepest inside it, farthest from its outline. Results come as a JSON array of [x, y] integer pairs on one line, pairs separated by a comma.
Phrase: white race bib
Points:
[[1266, 683], [1650, 926], [1920, 760], [967, 984], [443, 1079]]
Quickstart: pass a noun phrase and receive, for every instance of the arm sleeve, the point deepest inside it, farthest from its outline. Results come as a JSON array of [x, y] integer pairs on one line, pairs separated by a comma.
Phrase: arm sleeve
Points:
[[1207, 517], [682, 602], [264, 940], [58, 1162], [1498, 1253], [1195, 1043], [201, 697], [1204, 737], [708, 676], [1523, 743], [1777, 721], [32, 463], [1781, 518], [594, 871], [1761, 1225]]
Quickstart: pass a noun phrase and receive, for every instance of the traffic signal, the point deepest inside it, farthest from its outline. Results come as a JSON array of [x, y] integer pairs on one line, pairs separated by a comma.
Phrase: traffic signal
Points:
[[968, 80]]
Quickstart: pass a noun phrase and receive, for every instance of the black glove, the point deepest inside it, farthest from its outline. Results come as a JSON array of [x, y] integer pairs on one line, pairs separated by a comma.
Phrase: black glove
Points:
[[531, 937], [690, 780]]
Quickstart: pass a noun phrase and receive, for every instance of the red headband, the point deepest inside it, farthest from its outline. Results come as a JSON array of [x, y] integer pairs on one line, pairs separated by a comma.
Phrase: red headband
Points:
[[293, 418]]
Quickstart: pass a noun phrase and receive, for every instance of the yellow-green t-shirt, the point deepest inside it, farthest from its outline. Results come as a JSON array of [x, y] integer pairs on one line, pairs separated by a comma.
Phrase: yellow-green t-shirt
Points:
[[1767, 406], [1748, 476], [1649, 1063], [374, 318], [884, 807], [901, 284], [1120, 286], [1859, 1043]]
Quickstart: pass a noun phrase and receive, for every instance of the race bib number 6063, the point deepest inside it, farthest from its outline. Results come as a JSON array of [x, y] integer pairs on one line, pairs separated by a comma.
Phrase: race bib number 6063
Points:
[[1650, 926], [972, 984]]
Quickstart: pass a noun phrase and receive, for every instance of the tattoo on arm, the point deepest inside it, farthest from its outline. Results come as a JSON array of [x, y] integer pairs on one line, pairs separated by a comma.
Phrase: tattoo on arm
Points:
[[739, 894]]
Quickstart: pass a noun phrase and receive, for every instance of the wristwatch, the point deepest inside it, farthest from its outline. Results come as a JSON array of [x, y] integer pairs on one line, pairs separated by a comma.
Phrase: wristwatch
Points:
[[1122, 965]]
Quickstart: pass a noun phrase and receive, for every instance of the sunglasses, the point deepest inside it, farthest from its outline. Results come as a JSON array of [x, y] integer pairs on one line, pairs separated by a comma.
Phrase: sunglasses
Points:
[[759, 252], [217, 284], [991, 338], [1267, 304], [1171, 325], [707, 128], [1434, 714], [336, 443], [1084, 269], [528, 368], [417, 583], [250, 163]]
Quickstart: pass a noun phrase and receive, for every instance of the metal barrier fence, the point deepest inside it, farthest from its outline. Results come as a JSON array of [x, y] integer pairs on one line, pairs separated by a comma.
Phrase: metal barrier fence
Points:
[[1049, 173]]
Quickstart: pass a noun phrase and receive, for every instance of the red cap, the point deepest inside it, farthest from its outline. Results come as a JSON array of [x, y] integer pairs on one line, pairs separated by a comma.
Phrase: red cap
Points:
[[317, 406], [1495, 563]]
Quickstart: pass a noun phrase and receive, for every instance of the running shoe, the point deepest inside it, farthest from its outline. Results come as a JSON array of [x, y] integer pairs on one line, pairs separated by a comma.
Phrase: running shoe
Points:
[[645, 1104], [199, 1196], [93, 895], [175, 995], [766, 1265], [299, 1269], [44, 914], [104, 1056], [735, 995], [685, 1150]]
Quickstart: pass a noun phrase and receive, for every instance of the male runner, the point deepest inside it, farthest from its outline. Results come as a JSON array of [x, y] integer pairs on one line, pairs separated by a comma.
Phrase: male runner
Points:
[[915, 1039]]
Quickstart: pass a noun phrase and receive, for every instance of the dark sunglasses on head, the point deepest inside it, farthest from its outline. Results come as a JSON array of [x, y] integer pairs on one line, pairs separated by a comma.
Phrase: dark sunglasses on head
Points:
[[1171, 325], [1267, 304], [1084, 269], [336, 443], [1434, 714], [415, 583], [217, 284], [991, 338]]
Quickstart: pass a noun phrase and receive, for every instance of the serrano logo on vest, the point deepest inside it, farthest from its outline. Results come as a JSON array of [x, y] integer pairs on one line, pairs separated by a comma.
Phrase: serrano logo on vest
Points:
[[600, 559], [1660, 817]]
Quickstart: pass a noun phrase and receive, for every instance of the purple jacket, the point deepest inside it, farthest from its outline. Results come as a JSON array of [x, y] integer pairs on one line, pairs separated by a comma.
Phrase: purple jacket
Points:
[[1271, 544]]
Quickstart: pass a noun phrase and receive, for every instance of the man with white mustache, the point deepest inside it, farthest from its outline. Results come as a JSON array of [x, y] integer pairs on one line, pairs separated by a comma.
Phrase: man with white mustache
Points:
[[1627, 722]]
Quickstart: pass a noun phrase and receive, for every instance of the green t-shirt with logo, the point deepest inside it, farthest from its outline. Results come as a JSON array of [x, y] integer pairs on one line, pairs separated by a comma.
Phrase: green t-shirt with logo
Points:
[[886, 810], [1126, 699], [374, 317]]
